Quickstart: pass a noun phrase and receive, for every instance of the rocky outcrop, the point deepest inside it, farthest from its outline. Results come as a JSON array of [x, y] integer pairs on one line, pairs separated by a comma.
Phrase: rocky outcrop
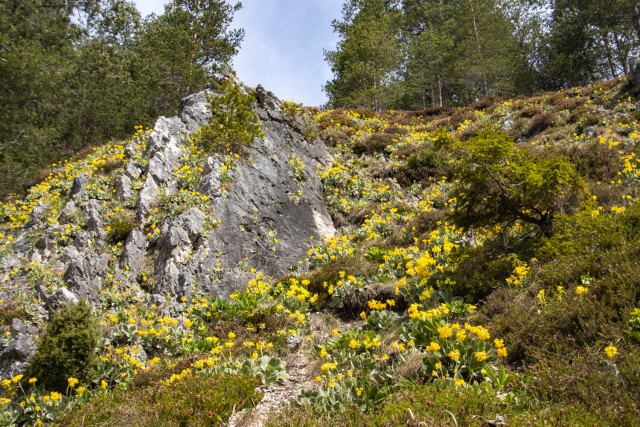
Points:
[[16, 351], [259, 215], [110, 226], [266, 217], [84, 273]]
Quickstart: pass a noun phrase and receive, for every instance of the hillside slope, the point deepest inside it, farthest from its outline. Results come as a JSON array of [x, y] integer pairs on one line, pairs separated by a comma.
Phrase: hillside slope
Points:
[[484, 272]]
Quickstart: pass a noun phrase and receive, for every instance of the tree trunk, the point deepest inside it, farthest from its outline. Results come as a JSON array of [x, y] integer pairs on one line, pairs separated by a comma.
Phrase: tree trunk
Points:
[[636, 20], [194, 44], [607, 47], [623, 54], [634, 64], [485, 84]]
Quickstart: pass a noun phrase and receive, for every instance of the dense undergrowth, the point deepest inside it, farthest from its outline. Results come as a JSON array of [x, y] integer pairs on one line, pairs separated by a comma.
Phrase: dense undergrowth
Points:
[[486, 268]]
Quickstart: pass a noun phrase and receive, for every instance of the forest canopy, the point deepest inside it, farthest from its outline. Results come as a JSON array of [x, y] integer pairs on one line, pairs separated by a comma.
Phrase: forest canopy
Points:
[[76, 74], [409, 54]]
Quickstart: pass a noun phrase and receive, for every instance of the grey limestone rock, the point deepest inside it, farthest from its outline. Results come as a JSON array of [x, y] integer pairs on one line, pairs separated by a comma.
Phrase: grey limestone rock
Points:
[[68, 212], [259, 215], [15, 357], [84, 273], [132, 170], [138, 353], [157, 300], [134, 252], [266, 216], [8, 262], [176, 245], [262, 219], [123, 188], [165, 148], [194, 111], [83, 240], [37, 215], [92, 213], [79, 186], [22, 245], [61, 298], [210, 183]]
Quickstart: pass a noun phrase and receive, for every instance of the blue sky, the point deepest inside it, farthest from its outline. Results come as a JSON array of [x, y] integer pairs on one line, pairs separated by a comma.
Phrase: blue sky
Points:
[[283, 44]]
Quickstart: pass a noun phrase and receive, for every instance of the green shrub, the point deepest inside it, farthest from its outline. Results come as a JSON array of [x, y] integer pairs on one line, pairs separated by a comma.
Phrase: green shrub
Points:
[[593, 160], [440, 406], [10, 310], [336, 117], [599, 253], [325, 275], [539, 123], [480, 270], [67, 349], [190, 401], [585, 378], [500, 183], [120, 226], [233, 124]]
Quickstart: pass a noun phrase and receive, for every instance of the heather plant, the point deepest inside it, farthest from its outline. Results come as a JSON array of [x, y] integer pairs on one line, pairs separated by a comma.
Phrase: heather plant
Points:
[[189, 401]]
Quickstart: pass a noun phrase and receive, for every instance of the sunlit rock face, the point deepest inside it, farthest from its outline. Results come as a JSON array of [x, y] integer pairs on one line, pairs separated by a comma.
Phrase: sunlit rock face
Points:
[[266, 216], [260, 215]]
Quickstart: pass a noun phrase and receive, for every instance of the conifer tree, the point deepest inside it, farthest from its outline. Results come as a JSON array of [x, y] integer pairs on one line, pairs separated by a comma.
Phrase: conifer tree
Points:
[[233, 125], [184, 46], [587, 40], [367, 56]]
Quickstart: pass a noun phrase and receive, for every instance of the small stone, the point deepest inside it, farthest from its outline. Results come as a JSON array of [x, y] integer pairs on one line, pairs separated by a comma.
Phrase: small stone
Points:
[[79, 186], [60, 298], [123, 188]]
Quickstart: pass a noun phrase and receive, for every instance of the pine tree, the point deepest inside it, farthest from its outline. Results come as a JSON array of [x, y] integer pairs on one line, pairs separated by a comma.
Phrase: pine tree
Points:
[[367, 56], [36, 47], [233, 125], [587, 40], [457, 51], [184, 46]]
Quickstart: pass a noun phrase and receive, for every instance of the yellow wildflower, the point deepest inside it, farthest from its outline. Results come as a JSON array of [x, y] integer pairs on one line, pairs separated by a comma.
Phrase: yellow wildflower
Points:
[[445, 331], [433, 347], [480, 356], [611, 351]]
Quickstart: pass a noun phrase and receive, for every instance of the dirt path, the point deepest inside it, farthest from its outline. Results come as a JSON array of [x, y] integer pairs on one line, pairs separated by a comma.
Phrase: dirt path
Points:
[[301, 366]]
